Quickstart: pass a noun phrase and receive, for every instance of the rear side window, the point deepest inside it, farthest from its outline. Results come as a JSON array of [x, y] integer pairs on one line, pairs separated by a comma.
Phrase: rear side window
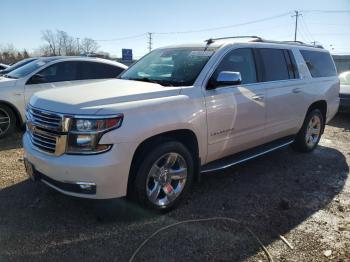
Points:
[[274, 64], [292, 65], [94, 70], [320, 64], [239, 60]]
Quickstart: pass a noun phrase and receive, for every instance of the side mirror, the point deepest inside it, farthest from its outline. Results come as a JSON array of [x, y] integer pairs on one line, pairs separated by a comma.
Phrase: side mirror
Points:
[[37, 79], [226, 78]]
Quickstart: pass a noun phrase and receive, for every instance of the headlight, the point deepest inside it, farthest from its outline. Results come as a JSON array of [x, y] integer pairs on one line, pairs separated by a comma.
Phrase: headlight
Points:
[[85, 133], [95, 125]]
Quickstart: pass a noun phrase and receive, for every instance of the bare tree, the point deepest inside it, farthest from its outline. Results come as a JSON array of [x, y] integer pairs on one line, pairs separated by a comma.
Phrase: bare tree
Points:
[[8, 54], [89, 45], [25, 54], [51, 41], [61, 43]]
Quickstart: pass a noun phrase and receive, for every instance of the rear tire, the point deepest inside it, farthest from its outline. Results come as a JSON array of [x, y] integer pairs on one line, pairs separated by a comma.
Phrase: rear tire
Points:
[[164, 176], [7, 120], [310, 133]]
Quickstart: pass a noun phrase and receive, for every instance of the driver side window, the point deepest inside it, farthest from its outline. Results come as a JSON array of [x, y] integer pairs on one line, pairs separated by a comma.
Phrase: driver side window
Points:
[[63, 71], [239, 60]]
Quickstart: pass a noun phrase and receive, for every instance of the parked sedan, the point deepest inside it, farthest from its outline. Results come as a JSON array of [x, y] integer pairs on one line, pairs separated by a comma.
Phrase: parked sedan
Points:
[[344, 91], [17, 65], [19, 85], [3, 66]]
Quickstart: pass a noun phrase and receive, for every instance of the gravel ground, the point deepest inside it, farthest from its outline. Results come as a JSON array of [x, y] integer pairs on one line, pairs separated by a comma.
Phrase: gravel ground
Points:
[[303, 197]]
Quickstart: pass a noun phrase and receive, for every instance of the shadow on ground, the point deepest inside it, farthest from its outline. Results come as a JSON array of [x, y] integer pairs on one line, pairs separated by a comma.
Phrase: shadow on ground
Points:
[[341, 120], [272, 195], [13, 141]]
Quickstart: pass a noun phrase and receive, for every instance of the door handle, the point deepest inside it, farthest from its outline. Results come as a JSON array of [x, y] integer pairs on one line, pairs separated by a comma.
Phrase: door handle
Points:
[[296, 90], [258, 97]]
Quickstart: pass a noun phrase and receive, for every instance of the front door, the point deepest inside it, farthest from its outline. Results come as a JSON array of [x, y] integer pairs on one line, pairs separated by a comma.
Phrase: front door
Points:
[[53, 76], [236, 114]]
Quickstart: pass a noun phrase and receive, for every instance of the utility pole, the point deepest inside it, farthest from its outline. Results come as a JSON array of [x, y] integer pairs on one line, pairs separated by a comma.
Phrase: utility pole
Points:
[[150, 42], [297, 14]]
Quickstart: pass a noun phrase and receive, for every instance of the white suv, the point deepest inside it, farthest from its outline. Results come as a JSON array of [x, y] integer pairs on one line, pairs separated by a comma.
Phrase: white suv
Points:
[[179, 111]]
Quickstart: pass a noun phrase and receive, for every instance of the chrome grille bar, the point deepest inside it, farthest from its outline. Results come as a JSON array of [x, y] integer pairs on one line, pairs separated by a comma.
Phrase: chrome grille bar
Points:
[[47, 130]]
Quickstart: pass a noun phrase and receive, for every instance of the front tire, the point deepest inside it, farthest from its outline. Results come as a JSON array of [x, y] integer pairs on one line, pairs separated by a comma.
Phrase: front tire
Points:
[[310, 133], [164, 176], [7, 120]]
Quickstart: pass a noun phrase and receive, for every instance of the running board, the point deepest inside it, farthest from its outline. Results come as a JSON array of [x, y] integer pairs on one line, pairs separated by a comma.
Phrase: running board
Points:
[[246, 155]]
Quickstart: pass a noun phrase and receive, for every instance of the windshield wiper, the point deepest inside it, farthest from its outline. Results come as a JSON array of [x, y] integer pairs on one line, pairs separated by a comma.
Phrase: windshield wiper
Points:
[[146, 79]]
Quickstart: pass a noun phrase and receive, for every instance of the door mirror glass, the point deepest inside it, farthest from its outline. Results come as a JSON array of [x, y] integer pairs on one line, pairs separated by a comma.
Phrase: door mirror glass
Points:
[[227, 78], [37, 79]]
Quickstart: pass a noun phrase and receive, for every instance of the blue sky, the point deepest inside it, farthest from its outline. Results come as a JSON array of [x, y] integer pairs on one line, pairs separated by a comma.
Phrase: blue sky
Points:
[[23, 20]]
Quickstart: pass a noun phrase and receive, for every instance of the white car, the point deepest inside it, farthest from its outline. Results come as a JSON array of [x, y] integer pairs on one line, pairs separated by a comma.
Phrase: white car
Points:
[[17, 86], [179, 111], [3, 66], [344, 91]]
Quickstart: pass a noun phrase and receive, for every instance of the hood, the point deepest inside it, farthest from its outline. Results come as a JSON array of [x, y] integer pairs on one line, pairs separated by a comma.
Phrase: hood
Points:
[[345, 89], [89, 97], [4, 81]]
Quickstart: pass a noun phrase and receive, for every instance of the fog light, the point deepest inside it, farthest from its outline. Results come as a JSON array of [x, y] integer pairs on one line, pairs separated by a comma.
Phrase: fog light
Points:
[[86, 185], [84, 140]]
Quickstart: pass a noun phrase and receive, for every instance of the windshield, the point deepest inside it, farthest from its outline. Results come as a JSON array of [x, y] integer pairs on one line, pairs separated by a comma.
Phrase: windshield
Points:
[[17, 65], [345, 78], [28, 68], [170, 67]]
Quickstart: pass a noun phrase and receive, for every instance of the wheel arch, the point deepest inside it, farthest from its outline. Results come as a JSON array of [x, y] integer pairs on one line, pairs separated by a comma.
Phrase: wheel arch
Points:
[[322, 106], [185, 136], [19, 120]]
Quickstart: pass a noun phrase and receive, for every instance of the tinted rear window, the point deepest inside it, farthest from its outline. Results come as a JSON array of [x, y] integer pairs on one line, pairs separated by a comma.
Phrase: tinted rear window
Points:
[[274, 65], [320, 64], [94, 70]]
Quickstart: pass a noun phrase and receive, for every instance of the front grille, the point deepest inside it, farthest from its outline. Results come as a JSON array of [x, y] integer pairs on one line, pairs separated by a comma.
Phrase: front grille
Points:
[[45, 119], [45, 130], [44, 141]]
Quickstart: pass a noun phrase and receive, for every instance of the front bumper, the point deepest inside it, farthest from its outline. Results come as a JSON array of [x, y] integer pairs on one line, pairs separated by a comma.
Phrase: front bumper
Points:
[[108, 172]]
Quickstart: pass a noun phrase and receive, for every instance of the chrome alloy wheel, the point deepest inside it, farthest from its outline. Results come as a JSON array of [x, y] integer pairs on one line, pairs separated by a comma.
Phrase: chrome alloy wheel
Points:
[[313, 131], [5, 121], [166, 179]]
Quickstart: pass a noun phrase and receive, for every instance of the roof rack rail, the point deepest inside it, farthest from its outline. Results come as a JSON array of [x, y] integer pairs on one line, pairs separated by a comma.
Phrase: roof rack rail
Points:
[[211, 40], [260, 39], [302, 43]]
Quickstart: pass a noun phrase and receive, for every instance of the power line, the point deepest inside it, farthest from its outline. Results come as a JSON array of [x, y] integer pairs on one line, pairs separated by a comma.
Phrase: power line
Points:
[[326, 24], [308, 32], [122, 38], [325, 11], [296, 15], [344, 34], [224, 27]]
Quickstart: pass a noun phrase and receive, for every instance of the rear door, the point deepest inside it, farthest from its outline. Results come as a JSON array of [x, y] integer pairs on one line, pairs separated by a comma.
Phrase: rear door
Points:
[[235, 114], [284, 92], [96, 70]]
